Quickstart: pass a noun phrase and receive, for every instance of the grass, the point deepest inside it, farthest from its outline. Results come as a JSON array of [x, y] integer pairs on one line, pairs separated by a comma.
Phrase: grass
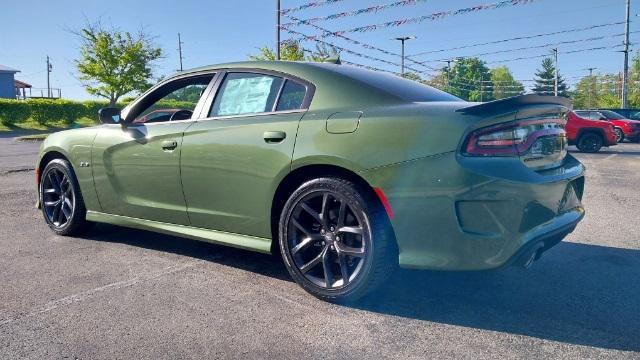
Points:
[[32, 126]]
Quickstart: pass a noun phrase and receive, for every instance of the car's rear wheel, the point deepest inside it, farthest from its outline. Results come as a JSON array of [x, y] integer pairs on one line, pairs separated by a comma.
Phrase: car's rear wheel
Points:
[[335, 240], [619, 135], [60, 198], [590, 142]]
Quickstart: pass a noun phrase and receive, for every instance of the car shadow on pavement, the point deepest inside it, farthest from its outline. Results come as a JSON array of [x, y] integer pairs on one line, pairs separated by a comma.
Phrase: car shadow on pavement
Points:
[[577, 293], [264, 264]]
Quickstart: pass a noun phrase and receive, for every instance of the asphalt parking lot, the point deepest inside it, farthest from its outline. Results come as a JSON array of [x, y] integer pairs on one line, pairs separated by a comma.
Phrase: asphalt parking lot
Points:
[[119, 293]]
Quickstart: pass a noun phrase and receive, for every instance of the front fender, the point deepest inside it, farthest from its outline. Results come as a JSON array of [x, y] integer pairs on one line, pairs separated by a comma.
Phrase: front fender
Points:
[[75, 146]]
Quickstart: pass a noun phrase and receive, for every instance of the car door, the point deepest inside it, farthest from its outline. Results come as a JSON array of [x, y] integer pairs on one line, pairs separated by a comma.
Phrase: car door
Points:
[[233, 160], [136, 168]]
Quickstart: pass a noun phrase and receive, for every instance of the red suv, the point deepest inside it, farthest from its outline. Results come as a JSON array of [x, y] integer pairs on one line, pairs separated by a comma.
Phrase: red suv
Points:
[[587, 134], [624, 128]]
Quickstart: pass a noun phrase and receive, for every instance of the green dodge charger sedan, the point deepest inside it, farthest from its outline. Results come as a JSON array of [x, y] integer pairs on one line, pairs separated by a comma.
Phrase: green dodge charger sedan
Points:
[[346, 172]]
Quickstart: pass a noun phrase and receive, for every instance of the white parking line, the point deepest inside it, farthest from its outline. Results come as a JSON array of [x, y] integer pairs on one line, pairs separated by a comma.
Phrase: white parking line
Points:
[[610, 157], [75, 298]]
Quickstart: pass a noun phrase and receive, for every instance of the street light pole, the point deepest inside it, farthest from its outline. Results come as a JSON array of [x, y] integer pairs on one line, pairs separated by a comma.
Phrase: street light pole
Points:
[[402, 40], [277, 29], [625, 72]]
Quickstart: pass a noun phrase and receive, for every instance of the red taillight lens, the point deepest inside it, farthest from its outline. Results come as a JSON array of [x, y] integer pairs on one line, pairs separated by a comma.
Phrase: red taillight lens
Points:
[[513, 139]]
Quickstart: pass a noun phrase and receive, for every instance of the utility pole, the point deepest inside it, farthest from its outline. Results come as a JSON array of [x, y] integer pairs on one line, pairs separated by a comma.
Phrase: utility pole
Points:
[[555, 81], [625, 72], [180, 50], [402, 40], [277, 29], [49, 69], [481, 88], [591, 85], [449, 76]]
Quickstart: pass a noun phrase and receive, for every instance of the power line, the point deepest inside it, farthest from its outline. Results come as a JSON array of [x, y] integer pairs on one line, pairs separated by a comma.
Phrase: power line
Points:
[[343, 49], [541, 46], [547, 55], [519, 38], [432, 17], [353, 41]]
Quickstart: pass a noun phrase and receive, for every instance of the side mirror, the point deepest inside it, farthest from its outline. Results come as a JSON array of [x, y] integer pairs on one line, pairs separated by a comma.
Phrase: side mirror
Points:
[[109, 115]]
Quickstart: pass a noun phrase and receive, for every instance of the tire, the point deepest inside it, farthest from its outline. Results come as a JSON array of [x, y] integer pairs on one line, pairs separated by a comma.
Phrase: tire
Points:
[[590, 142], [61, 200], [619, 135], [352, 239]]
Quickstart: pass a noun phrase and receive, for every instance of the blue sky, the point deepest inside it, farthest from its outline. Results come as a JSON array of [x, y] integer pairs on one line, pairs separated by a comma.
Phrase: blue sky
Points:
[[221, 31]]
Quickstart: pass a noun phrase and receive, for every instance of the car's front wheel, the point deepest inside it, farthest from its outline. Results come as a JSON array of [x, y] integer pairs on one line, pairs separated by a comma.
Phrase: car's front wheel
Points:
[[335, 239], [590, 142], [60, 198]]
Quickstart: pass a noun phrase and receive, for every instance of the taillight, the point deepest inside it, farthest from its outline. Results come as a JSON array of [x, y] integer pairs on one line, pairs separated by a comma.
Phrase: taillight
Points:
[[537, 136]]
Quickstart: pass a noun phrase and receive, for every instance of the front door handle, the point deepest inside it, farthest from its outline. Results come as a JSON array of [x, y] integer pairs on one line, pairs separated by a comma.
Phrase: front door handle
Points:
[[169, 145], [274, 137]]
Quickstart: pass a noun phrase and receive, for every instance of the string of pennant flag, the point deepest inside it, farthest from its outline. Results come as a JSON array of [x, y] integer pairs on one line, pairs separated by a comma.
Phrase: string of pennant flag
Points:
[[312, 4], [367, 10], [401, 22]]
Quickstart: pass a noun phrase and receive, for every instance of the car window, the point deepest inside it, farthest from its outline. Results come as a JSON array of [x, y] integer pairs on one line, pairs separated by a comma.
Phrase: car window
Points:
[[634, 115], [175, 100], [583, 114], [246, 93], [292, 96]]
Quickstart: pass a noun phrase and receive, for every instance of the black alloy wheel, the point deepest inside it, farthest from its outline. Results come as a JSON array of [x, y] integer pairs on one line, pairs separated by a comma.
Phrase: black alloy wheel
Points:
[[60, 198], [590, 142], [327, 237]]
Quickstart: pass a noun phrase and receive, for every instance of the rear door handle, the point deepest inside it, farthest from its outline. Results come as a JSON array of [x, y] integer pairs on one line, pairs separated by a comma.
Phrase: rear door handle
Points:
[[274, 137], [169, 145]]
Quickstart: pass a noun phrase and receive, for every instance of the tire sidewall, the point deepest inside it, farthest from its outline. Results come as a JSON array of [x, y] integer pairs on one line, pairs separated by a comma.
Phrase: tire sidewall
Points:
[[619, 135], [586, 136], [358, 204], [76, 218]]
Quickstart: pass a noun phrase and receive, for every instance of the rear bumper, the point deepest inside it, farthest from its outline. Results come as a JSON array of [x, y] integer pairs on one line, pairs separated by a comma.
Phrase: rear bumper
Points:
[[477, 214]]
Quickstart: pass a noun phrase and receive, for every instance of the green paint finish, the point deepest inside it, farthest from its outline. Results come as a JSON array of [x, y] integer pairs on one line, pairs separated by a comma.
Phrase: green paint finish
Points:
[[217, 237], [451, 212], [343, 122], [134, 176], [231, 169]]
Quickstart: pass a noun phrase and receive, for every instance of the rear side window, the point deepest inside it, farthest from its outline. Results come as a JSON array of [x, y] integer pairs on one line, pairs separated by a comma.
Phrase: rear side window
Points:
[[292, 96], [246, 93]]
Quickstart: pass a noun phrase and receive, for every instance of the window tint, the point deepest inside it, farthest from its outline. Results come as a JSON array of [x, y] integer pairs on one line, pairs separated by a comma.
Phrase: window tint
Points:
[[405, 89], [292, 96], [246, 93]]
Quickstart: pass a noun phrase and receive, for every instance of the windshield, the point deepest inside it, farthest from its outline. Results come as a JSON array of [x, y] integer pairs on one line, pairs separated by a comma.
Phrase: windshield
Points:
[[610, 115]]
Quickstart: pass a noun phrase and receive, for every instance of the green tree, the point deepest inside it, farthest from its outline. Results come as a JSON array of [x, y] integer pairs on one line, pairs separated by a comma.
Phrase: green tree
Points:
[[586, 94], [412, 76], [323, 52], [504, 85], [289, 50], [545, 80], [113, 63], [470, 80]]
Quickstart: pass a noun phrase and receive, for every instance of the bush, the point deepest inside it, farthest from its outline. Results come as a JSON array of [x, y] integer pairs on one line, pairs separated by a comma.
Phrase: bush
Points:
[[14, 111], [91, 108], [45, 110]]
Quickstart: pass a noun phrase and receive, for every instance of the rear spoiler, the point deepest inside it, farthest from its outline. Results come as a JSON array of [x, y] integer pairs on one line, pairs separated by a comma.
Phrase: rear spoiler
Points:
[[513, 104]]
